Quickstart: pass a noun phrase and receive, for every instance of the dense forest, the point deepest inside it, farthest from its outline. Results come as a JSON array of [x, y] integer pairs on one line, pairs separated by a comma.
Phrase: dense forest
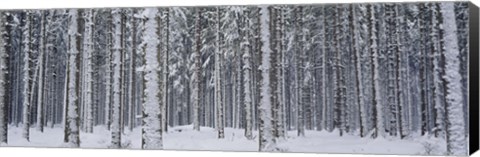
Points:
[[396, 70]]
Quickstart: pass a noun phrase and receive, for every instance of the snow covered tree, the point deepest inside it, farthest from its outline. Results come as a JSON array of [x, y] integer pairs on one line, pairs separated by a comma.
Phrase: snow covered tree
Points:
[[152, 124], [72, 129], [266, 140], [87, 66], [340, 68], [116, 60], [278, 49], [379, 129], [219, 105], [108, 71], [247, 74], [3, 83], [42, 51], [26, 45], [456, 142], [165, 54], [368, 70], [196, 75], [358, 41], [300, 54]]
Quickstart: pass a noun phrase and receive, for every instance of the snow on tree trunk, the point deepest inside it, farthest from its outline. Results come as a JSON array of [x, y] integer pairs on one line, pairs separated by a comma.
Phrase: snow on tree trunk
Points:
[[87, 51], [108, 75], [300, 89], [340, 85], [219, 105], [166, 33], [400, 72], [26, 76], [116, 61], [456, 142], [358, 41], [377, 103], [437, 81], [152, 124], [131, 25], [247, 82], [73, 81], [266, 139], [42, 51], [3, 85], [279, 44], [196, 75], [324, 122]]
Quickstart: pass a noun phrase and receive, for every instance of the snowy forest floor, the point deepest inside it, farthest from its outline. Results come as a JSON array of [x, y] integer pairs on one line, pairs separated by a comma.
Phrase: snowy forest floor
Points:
[[185, 138]]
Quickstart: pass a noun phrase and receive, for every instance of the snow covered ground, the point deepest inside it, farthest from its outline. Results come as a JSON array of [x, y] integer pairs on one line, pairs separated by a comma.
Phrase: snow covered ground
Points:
[[185, 138]]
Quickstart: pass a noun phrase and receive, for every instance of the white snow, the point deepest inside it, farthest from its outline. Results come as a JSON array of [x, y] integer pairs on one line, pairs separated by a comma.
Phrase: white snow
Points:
[[185, 138]]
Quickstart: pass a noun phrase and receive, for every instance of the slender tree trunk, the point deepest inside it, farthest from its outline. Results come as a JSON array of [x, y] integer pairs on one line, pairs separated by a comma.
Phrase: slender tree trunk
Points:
[[42, 52], [358, 72], [299, 63], [4, 84], [378, 126], [26, 75], [220, 122], [87, 50], [165, 68], [73, 78], [196, 71], [247, 73], [116, 60]]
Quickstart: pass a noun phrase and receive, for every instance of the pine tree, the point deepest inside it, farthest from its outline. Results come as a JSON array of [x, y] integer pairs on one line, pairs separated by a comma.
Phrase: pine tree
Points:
[[379, 129], [247, 73], [152, 124], [266, 139], [87, 65], [116, 61], [219, 105], [108, 71], [456, 144], [358, 41], [196, 71], [3, 83], [300, 87], [42, 51], [72, 129], [26, 50], [166, 52]]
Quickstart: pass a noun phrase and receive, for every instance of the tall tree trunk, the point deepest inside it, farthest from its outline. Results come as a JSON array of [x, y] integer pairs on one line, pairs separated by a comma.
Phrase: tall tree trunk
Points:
[[219, 105], [26, 43], [87, 50], [166, 29], [379, 129], [108, 70], [116, 60], [152, 123], [358, 71], [266, 140], [196, 75], [72, 122], [299, 63], [132, 75], [4, 84], [456, 143], [247, 73]]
